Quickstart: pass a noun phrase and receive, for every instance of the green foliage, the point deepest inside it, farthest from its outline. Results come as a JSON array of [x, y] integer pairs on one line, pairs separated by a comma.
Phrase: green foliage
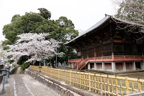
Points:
[[15, 18], [62, 30], [45, 13], [66, 30], [14, 65], [4, 43], [22, 60], [24, 66], [28, 23]]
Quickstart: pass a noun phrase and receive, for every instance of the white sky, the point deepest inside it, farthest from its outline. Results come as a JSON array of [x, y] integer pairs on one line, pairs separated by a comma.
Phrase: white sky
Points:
[[83, 13]]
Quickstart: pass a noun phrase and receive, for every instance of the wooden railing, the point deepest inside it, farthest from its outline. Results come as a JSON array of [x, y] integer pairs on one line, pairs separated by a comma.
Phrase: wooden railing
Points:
[[85, 63], [128, 58], [36, 68], [100, 84], [113, 58], [77, 63], [74, 60]]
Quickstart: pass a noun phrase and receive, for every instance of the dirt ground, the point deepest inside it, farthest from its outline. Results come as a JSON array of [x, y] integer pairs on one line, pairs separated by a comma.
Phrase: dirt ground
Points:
[[139, 75]]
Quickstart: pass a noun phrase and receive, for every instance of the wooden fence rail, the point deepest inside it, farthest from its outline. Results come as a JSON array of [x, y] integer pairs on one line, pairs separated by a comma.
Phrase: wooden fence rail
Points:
[[107, 85]]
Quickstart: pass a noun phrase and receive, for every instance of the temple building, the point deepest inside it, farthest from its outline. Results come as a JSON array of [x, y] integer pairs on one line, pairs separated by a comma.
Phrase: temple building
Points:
[[111, 45]]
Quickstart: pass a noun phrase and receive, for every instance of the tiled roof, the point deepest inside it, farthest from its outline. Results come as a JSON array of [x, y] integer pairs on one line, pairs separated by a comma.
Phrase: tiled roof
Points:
[[102, 21]]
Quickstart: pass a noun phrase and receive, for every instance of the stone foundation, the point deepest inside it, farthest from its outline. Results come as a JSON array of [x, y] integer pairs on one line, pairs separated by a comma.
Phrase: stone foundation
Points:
[[115, 67]]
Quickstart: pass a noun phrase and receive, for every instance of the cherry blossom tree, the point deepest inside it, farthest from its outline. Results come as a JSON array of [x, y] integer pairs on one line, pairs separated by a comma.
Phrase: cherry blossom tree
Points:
[[34, 46]]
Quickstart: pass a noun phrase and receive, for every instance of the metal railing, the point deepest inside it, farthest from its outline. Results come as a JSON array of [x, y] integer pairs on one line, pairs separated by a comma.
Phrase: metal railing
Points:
[[101, 84]]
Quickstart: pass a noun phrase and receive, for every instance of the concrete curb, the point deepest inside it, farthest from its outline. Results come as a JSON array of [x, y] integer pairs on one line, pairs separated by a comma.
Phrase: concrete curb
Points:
[[60, 87]]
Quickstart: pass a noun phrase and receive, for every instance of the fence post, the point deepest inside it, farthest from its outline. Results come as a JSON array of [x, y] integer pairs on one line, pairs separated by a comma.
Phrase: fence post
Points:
[[84, 82], [40, 68], [89, 82], [139, 85], [80, 78], [108, 82], [70, 77], [51, 71], [127, 86], [116, 83], [101, 79]]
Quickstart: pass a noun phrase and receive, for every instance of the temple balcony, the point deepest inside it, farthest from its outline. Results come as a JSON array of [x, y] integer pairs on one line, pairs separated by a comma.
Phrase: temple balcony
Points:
[[113, 62], [110, 58]]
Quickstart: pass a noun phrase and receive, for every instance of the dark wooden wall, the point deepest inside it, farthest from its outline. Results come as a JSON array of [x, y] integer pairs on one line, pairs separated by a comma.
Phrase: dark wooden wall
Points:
[[108, 40]]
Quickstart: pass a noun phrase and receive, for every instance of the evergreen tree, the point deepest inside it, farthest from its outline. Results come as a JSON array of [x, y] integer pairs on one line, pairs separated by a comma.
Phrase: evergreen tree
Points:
[[62, 30]]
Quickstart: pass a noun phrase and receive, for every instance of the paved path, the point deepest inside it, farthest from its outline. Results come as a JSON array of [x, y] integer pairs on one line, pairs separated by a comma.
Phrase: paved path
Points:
[[24, 85]]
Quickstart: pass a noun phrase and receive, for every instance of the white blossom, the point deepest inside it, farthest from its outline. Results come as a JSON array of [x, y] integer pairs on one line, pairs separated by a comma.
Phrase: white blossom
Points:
[[35, 46]]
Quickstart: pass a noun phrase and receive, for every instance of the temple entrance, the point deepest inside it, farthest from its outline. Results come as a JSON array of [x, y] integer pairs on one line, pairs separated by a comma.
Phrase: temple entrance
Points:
[[129, 66], [119, 66], [138, 66], [92, 66]]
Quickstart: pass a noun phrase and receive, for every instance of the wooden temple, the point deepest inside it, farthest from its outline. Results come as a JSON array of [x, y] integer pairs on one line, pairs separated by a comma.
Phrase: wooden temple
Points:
[[111, 45]]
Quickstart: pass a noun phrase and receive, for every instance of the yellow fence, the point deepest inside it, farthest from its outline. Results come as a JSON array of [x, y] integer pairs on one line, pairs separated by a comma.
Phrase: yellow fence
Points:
[[107, 85]]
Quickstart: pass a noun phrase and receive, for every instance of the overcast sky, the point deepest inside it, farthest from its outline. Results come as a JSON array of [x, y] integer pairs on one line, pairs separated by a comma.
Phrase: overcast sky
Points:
[[83, 13]]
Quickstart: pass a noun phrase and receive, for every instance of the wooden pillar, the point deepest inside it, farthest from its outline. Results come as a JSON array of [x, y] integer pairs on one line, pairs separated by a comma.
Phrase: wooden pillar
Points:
[[113, 66], [134, 65], [88, 65], [87, 53], [124, 66], [95, 66], [103, 66], [94, 52]]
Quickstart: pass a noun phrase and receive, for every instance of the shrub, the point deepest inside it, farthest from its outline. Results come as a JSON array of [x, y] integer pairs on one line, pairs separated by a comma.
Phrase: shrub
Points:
[[24, 66]]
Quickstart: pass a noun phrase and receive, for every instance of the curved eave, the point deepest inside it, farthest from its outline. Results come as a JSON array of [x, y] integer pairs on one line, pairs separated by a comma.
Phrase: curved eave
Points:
[[100, 24], [94, 27]]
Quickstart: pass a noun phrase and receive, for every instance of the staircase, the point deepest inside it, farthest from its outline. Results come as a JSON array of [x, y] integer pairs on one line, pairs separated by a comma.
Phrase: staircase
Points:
[[82, 64], [74, 65], [77, 63]]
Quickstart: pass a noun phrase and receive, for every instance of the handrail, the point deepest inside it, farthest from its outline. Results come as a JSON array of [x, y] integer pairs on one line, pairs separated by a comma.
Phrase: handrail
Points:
[[74, 65], [77, 63], [85, 63], [81, 63], [135, 94]]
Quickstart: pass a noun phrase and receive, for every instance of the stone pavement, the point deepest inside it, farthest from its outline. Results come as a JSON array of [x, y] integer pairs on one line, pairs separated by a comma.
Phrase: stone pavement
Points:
[[25, 85]]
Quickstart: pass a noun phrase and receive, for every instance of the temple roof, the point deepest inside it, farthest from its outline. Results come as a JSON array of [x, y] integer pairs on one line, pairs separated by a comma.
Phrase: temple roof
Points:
[[107, 18]]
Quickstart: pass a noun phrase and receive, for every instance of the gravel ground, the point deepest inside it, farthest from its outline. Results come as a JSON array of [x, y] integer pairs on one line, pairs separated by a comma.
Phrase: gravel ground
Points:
[[24, 85]]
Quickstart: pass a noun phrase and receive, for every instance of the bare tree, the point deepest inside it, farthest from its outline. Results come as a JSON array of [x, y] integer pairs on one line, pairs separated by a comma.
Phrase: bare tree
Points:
[[131, 10]]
